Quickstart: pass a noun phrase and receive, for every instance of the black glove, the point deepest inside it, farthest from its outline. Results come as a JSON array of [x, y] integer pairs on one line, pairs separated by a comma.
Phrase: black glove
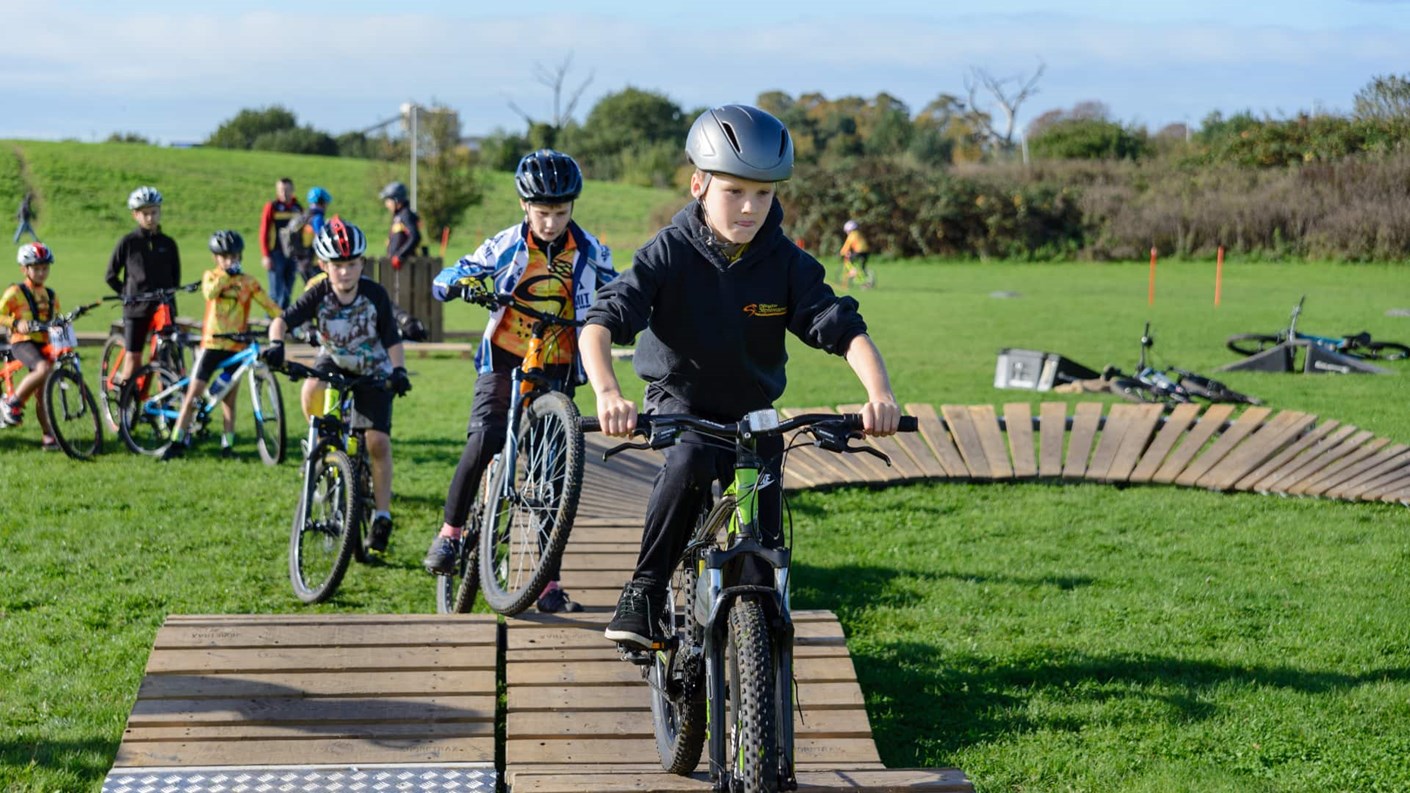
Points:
[[273, 354], [400, 381], [412, 329]]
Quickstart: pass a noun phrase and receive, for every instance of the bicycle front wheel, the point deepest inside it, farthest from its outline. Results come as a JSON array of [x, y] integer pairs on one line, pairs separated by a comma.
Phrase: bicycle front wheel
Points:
[[749, 695], [1384, 351], [148, 408], [324, 529], [73, 414], [1252, 343], [531, 515], [270, 435], [108, 364]]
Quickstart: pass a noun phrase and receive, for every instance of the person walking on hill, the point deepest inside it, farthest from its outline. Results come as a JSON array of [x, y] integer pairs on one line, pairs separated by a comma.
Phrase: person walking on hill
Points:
[[277, 214], [24, 216]]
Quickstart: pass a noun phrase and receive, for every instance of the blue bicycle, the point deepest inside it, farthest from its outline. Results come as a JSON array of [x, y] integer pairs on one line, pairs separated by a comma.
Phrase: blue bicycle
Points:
[[151, 402], [1357, 345]]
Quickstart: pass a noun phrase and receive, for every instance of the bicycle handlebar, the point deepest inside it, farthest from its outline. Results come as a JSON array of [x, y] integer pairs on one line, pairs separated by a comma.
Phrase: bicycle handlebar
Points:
[[243, 336], [493, 300], [67, 318], [831, 430], [297, 371], [157, 295]]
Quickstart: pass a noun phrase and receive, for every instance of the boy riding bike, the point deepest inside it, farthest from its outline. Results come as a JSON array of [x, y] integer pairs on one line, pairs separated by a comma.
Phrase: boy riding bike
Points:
[[550, 263], [228, 292], [146, 260], [359, 336], [712, 296], [855, 253], [22, 307]]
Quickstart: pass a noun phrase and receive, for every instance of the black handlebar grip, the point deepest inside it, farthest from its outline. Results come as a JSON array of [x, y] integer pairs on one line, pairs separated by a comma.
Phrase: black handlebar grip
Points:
[[589, 424], [909, 424]]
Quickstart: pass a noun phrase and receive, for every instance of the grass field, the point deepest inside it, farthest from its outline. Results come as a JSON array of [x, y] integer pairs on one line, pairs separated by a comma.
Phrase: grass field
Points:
[[1041, 637]]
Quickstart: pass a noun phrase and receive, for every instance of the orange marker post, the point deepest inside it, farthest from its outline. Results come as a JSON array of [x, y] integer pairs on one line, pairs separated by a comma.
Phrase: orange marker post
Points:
[[1150, 291], [1218, 274], [445, 240]]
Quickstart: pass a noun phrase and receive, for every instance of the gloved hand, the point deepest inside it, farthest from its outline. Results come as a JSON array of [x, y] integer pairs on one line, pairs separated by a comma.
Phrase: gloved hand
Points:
[[400, 381], [273, 354], [396, 262]]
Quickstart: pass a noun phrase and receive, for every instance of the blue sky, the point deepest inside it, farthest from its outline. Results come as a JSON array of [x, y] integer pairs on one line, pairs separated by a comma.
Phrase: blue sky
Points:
[[173, 71]]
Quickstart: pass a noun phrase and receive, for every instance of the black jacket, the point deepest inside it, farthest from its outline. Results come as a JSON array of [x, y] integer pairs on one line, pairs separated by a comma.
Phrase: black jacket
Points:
[[712, 331], [405, 236], [142, 262]]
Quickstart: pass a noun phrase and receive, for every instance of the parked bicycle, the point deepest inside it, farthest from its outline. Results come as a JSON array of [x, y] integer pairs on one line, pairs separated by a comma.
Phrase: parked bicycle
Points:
[[1171, 385], [69, 405], [517, 531], [725, 671], [332, 517], [1357, 345], [145, 422], [167, 346]]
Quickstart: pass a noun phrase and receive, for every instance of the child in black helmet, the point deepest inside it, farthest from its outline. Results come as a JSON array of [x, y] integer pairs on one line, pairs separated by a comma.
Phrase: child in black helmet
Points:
[[228, 292], [405, 235], [549, 262], [712, 296]]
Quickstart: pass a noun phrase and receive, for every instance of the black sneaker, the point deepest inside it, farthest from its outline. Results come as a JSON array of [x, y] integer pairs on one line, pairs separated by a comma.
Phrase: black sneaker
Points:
[[443, 555], [227, 453], [638, 615], [381, 532], [555, 600], [172, 451]]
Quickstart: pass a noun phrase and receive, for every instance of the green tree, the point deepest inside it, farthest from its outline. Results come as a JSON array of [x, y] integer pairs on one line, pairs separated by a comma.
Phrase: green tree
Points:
[[630, 120], [248, 125], [1089, 139], [446, 184], [1385, 98]]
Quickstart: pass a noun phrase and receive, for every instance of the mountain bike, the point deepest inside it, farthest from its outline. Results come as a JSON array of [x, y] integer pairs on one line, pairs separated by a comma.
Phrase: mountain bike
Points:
[[854, 268], [529, 493], [145, 423], [331, 521], [68, 403], [1171, 385], [1357, 345], [167, 344], [725, 670]]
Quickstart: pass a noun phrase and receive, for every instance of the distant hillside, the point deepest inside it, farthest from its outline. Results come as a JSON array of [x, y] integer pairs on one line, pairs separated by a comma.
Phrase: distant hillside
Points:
[[81, 192]]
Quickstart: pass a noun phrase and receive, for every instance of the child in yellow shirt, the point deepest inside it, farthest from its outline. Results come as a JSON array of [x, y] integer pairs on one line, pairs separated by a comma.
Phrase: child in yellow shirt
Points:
[[22, 307]]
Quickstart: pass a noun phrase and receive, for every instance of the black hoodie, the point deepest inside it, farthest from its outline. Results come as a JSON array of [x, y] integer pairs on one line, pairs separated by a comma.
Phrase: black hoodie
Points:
[[712, 331]]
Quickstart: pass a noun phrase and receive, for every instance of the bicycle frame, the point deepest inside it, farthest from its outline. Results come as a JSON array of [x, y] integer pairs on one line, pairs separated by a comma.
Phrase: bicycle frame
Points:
[[243, 362], [162, 330], [61, 350]]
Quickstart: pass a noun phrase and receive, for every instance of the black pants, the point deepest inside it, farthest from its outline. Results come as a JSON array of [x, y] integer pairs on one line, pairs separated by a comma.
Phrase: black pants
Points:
[[682, 490], [485, 434]]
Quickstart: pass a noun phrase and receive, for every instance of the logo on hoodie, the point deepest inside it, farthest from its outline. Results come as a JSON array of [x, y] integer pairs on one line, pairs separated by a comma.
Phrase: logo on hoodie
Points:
[[765, 310]]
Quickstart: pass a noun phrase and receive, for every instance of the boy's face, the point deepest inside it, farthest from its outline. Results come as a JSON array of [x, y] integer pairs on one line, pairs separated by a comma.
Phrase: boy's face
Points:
[[285, 190], [36, 273], [148, 217], [226, 261], [735, 208], [343, 274], [547, 221], [390, 204]]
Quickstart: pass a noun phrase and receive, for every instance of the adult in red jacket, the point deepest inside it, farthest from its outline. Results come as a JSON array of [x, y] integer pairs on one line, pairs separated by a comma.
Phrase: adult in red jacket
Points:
[[281, 268]]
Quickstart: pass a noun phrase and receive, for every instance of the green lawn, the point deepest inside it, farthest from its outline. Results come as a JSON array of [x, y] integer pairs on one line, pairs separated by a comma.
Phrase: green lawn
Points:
[[1040, 637]]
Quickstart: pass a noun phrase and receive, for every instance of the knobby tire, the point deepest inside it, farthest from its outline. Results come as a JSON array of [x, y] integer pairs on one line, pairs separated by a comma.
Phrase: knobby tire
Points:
[[145, 420], [73, 414], [1252, 343], [749, 686], [271, 436], [325, 528]]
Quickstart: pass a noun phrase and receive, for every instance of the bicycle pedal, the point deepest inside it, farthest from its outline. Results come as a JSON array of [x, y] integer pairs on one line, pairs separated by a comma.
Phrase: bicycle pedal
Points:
[[638, 656]]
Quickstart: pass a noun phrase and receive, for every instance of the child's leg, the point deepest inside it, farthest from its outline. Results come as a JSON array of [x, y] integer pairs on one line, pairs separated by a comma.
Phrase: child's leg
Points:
[[311, 398], [193, 392], [379, 451], [227, 408], [33, 383]]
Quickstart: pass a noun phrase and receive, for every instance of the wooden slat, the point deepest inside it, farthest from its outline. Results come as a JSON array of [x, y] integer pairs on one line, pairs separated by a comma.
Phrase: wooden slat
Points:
[[938, 437], [902, 466], [1280, 479], [831, 467], [967, 440], [1250, 481], [1314, 468], [1052, 431], [1079, 441], [922, 454], [1170, 432], [1193, 443], [1133, 443], [1018, 423], [438, 751], [1109, 441], [986, 425], [865, 780], [1372, 488], [1271, 438], [1247, 422], [1386, 459], [1390, 490], [314, 684], [305, 709], [1336, 471]]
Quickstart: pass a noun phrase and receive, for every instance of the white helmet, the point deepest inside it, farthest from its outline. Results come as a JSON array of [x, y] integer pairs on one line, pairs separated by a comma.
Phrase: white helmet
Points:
[[35, 253], [850, 226], [144, 197]]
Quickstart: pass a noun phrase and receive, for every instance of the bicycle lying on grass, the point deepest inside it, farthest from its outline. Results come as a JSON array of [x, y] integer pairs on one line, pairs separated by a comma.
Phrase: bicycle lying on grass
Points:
[[68, 403], [332, 517], [517, 531], [1357, 345], [167, 345], [725, 671], [1171, 385], [151, 402]]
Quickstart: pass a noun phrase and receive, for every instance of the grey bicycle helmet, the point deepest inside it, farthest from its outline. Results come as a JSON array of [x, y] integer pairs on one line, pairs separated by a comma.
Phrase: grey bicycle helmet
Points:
[[742, 141], [395, 191], [339, 240], [548, 177], [227, 242], [144, 197], [35, 253]]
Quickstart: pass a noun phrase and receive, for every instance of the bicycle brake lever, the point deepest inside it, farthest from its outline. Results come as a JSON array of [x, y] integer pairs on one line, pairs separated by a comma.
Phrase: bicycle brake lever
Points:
[[622, 447], [869, 450]]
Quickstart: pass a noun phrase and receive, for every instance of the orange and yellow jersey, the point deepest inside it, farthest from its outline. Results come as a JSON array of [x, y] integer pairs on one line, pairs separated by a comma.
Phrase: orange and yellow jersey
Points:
[[14, 307], [548, 287], [228, 299], [855, 243]]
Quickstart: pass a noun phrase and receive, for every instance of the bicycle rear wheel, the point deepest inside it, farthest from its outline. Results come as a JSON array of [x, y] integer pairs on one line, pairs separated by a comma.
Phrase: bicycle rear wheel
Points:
[[1384, 351], [324, 529], [530, 517], [73, 414], [270, 435], [455, 594], [148, 408], [749, 698], [108, 364], [1252, 343]]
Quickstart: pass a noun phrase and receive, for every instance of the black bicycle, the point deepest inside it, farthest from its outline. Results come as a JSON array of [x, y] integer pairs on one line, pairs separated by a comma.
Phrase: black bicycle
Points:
[[725, 671], [1357, 345], [1170, 385]]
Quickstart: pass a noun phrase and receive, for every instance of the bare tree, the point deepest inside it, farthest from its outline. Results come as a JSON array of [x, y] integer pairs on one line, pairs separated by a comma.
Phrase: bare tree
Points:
[[1009, 93], [555, 80]]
